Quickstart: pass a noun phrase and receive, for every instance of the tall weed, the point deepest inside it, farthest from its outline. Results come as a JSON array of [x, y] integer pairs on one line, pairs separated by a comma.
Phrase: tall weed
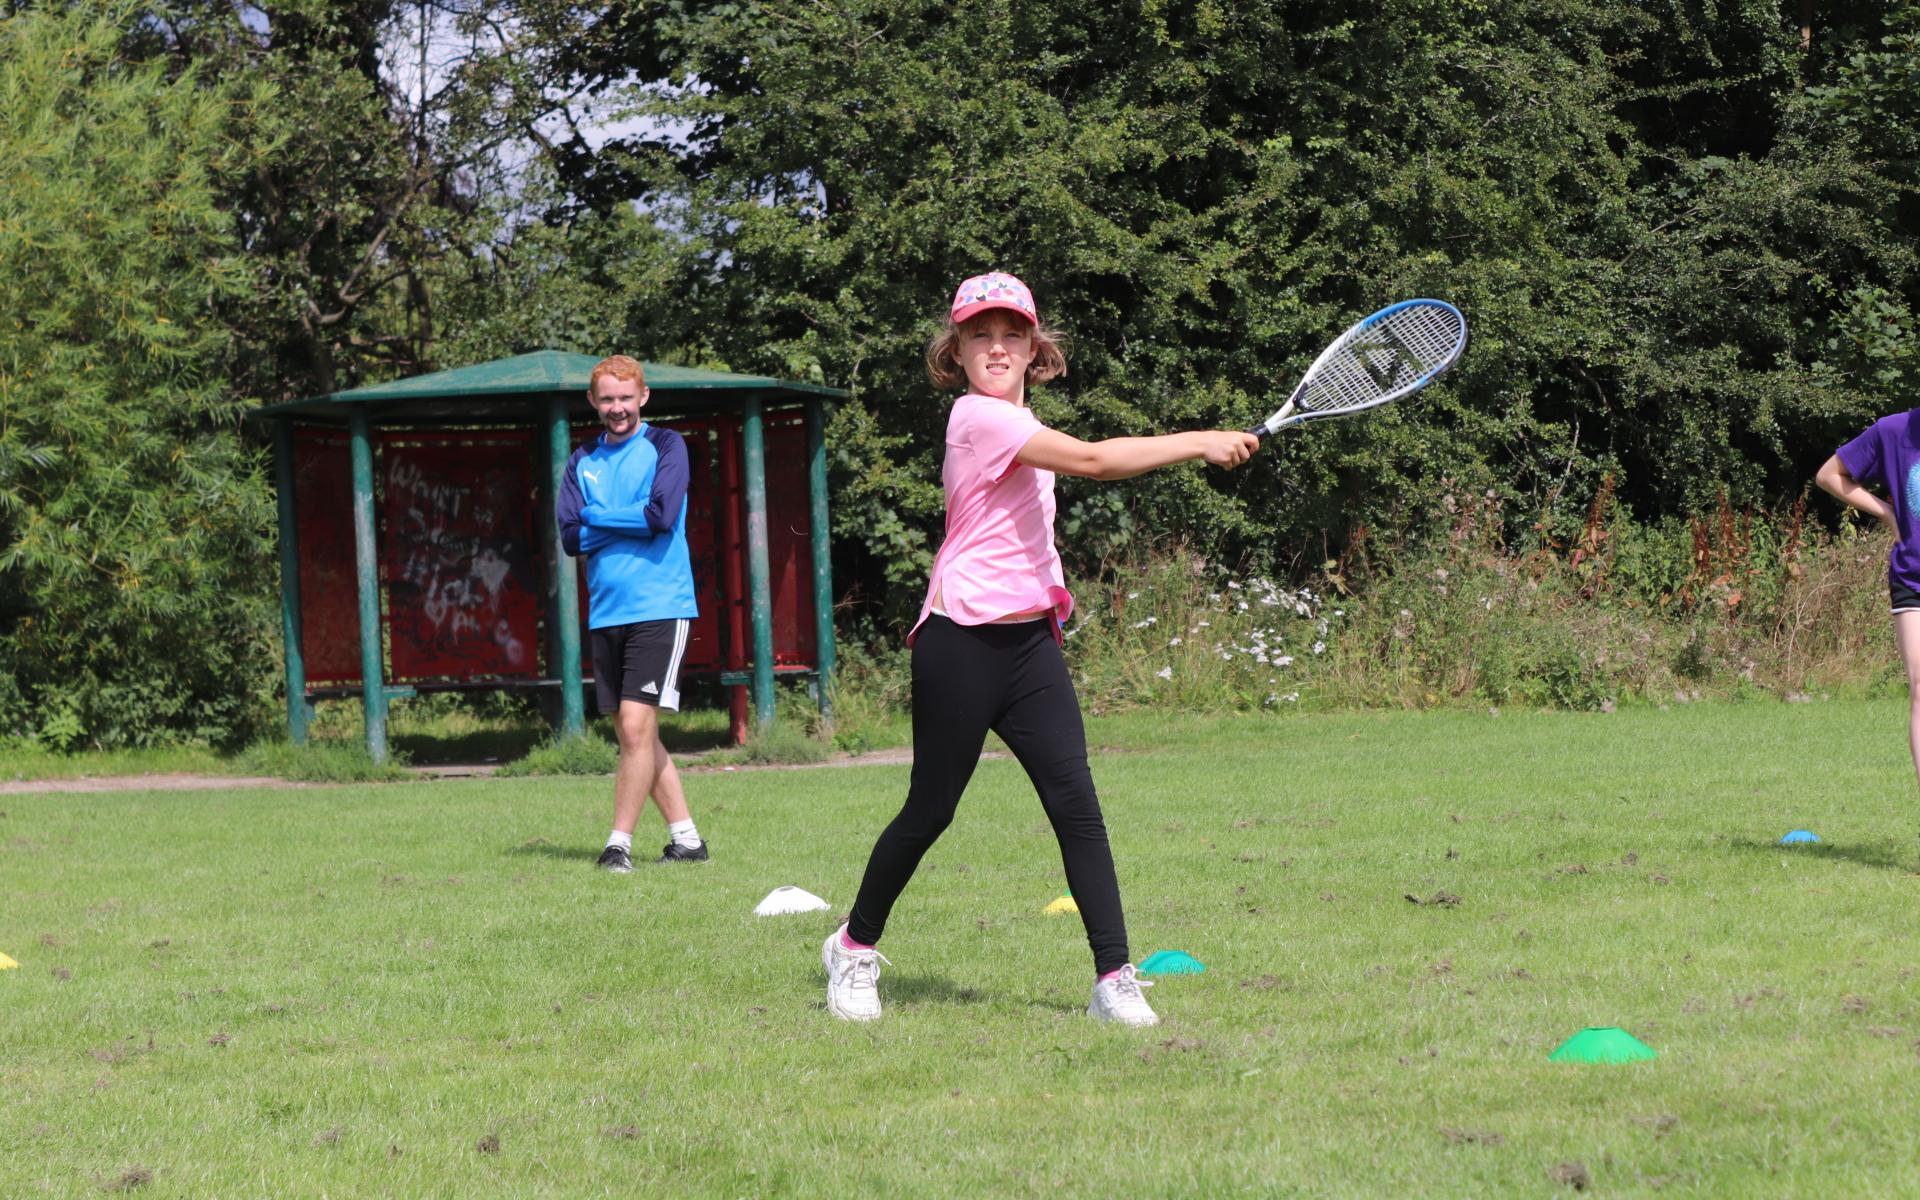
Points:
[[1171, 631], [1468, 609]]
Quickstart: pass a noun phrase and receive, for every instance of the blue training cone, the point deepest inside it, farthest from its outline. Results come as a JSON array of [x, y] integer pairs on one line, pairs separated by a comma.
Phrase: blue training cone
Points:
[[1799, 837]]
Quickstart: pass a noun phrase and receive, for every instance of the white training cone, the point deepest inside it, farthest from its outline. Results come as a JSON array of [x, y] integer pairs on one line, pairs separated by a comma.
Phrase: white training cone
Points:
[[789, 899]]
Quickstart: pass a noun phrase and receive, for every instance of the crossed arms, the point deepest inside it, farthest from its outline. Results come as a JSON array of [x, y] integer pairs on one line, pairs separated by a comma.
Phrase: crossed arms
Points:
[[589, 527]]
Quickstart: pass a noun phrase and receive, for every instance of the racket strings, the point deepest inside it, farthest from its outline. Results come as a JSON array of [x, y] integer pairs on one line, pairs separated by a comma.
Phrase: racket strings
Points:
[[1429, 335]]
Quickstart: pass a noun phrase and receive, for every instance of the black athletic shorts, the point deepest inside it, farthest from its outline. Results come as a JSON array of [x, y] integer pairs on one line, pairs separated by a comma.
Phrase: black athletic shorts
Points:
[[1900, 597], [640, 662]]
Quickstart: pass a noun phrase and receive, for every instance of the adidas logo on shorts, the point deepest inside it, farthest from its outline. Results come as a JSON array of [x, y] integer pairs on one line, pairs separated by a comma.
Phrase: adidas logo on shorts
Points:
[[652, 689]]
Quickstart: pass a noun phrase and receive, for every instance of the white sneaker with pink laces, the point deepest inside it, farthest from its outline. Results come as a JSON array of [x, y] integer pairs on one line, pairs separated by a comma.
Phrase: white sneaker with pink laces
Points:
[[1118, 998], [853, 979]]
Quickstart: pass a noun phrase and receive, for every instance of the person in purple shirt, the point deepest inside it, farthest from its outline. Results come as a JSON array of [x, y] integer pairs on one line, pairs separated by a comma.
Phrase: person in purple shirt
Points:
[[1888, 454]]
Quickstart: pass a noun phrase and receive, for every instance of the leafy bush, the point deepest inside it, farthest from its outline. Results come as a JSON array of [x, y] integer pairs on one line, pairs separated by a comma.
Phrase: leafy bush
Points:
[[873, 691], [587, 754], [322, 762], [782, 742]]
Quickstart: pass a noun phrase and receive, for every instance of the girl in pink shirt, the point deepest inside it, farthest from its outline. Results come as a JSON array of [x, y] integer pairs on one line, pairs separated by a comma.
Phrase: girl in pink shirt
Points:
[[986, 649]]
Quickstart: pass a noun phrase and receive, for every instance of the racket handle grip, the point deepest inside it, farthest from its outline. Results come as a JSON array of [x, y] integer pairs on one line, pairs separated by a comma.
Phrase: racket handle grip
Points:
[[1259, 431]]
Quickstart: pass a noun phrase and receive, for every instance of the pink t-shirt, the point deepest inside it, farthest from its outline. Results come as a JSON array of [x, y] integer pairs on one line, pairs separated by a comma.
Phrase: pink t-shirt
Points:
[[998, 558]]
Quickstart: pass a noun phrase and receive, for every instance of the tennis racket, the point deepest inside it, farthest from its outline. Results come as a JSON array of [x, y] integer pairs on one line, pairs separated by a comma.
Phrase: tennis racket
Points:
[[1393, 353]]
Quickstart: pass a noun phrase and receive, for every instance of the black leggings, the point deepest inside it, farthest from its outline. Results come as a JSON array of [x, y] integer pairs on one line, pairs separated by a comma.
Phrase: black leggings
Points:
[[1011, 679]]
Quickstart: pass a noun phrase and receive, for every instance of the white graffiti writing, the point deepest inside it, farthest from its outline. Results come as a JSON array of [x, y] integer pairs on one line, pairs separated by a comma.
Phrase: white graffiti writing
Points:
[[449, 557]]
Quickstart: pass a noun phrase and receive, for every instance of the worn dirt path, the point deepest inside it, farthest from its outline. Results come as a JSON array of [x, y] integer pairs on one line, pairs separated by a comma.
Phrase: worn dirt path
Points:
[[184, 782]]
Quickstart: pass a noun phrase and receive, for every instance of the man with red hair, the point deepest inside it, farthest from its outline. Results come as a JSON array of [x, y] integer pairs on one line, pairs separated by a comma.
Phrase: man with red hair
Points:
[[623, 504]]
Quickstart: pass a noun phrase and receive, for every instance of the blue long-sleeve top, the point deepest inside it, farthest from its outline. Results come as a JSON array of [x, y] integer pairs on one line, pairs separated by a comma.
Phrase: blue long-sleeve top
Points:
[[624, 506]]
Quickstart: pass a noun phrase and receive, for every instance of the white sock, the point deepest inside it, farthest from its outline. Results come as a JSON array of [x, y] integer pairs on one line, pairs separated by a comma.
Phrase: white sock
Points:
[[622, 840], [684, 834]]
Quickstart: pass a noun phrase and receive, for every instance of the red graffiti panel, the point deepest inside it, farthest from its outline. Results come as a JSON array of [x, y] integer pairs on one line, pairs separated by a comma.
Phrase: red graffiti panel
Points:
[[703, 639], [462, 564], [458, 555], [329, 593], [789, 542]]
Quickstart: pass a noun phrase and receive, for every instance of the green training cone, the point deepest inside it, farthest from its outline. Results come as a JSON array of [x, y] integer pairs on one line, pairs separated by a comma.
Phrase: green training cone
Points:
[[1602, 1044], [1171, 962]]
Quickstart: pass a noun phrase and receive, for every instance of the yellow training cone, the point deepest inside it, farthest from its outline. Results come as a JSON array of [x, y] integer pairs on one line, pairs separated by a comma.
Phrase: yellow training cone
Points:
[[1062, 906], [7, 964]]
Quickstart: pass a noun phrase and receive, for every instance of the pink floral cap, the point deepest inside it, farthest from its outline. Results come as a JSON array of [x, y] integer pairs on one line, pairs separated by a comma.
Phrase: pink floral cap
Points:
[[995, 289]]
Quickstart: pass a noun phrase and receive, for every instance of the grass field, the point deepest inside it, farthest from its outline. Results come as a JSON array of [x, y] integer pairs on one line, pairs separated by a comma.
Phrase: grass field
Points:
[[426, 990]]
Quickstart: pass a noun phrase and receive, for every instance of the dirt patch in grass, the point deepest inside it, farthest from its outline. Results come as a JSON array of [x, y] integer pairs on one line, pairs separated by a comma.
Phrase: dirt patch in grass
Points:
[[132, 1177], [1573, 1174]]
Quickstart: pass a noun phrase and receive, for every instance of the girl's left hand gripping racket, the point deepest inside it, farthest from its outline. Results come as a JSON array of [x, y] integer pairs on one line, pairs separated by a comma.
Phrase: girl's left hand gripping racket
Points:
[[1393, 353]]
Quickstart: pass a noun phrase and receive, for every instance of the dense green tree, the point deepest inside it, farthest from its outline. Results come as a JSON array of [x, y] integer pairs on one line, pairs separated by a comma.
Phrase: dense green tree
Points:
[[205, 205], [135, 551], [1680, 234], [1685, 232], [362, 194]]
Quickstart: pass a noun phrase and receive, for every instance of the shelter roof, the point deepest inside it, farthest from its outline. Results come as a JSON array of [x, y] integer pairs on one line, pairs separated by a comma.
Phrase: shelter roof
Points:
[[505, 388]]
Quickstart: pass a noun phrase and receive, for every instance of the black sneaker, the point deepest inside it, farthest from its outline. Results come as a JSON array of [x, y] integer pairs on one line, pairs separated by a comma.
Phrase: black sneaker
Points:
[[613, 858], [676, 853]]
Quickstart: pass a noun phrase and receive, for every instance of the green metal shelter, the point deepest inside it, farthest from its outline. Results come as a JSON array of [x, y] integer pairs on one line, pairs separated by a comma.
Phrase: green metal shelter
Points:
[[531, 408]]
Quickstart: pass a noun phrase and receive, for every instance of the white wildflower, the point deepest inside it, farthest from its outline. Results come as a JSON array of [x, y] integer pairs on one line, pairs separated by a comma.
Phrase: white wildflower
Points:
[[1285, 660], [1174, 642], [1145, 623], [1319, 647], [1164, 673]]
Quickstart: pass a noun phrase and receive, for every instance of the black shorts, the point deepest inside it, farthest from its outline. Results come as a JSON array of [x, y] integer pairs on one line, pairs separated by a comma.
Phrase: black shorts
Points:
[[1900, 597], [640, 662]]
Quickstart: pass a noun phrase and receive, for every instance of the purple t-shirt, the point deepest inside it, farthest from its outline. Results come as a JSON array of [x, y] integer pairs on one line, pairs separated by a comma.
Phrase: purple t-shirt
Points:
[[1889, 453]]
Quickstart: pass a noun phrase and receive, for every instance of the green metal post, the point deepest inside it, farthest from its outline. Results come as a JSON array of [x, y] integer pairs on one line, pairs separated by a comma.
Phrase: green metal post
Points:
[[290, 583], [566, 587], [822, 552], [759, 573], [373, 683]]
